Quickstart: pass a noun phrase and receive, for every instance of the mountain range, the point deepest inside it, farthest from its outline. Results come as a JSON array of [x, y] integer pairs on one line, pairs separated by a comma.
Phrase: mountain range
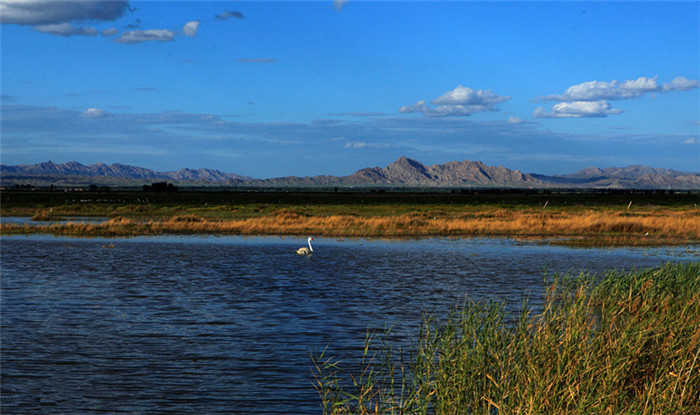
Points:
[[404, 172]]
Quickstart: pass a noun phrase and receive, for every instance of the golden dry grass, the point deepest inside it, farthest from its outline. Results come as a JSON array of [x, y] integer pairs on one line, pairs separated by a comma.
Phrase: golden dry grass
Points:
[[649, 227]]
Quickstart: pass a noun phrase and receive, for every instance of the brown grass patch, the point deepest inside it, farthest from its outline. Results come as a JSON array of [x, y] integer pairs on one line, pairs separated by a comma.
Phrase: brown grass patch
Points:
[[650, 227]]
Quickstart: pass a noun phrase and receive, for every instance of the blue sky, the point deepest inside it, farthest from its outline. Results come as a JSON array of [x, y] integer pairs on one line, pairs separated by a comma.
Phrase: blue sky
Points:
[[269, 89]]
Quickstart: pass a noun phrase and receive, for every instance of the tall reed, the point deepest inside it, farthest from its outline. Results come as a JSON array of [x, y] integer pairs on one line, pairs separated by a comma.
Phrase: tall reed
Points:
[[629, 344]]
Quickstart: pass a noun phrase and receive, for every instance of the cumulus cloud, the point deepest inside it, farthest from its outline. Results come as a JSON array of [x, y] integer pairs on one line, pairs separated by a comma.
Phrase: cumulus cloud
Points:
[[138, 36], [578, 109], [190, 28], [94, 113], [599, 90], [417, 107], [681, 84], [461, 101], [226, 14], [66, 29], [590, 99], [463, 95], [50, 12]]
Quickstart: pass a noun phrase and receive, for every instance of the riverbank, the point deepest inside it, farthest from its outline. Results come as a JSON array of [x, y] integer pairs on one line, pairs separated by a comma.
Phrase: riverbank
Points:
[[585, 220], [585, 227], [627, 344]]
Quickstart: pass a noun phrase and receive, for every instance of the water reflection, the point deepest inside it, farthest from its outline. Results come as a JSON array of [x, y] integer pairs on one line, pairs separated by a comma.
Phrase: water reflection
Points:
[[226, 324], [25, 220]]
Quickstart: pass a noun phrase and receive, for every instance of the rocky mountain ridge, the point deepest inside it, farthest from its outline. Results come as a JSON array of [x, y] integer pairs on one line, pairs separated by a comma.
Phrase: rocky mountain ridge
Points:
[[404, 172], [409, 172], [72, 168]]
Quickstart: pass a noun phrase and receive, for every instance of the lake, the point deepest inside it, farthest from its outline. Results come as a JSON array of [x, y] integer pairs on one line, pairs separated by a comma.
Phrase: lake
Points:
[[214, 325]]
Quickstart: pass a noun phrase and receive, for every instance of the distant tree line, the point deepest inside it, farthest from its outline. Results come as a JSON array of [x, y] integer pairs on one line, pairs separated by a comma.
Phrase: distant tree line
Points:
[[160, 187]]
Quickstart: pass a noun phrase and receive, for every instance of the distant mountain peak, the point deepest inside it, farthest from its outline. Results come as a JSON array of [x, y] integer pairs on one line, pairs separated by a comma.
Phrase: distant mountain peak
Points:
[[118, 170], [404, 172], [405, 168], [408, 172], [405, 161]]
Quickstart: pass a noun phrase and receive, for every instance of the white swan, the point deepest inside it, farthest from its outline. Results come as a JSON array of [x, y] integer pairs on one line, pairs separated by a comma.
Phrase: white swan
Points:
[[306, 251]]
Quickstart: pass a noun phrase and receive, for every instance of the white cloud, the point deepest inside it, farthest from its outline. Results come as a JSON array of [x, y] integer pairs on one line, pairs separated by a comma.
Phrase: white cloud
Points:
[[589, 99], [49, 12], [137, 36], [463, 95], [600, 90], [691, 141], [681, 84], [455, 110], [515, 120], [363, 144], [339, 4], [616, 90], [190, 28], [461, 101], [355, 145], [578, 109], [66, 29], [94, 113], [417, 107], [110, 32]]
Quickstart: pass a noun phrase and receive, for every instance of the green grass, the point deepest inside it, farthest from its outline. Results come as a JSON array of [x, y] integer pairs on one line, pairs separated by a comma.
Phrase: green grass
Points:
[[580, 219], [628, 344], [242, 204]]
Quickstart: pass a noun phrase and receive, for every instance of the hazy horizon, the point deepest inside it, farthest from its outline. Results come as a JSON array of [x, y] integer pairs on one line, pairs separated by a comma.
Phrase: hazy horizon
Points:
[[274, 89]]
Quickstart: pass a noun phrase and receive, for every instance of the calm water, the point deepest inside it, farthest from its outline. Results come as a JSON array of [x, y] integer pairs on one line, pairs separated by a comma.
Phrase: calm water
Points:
[[211, 325], [24, 220]]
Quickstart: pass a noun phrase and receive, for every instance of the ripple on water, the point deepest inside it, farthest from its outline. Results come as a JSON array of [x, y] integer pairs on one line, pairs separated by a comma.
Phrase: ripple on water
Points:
[[227, 324]]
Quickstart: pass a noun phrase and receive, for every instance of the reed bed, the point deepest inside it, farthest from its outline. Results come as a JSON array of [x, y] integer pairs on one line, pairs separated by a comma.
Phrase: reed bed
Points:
[[629, 344], [606, 226]]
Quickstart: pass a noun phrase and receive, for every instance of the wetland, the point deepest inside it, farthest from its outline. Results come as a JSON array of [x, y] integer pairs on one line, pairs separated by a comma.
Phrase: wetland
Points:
[[197, 303]]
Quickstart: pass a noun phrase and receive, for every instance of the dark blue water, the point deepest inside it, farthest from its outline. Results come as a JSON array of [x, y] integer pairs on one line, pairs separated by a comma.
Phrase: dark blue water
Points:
[[24, 220], [206, 325]]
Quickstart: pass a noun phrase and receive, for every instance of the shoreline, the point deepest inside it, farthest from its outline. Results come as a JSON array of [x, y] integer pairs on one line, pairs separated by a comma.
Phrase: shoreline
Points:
[[570, 228], [572, 219]]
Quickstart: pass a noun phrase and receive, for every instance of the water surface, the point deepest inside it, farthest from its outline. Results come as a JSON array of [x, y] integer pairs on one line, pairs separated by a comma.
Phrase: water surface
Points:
[[227, 324], [25, 220]]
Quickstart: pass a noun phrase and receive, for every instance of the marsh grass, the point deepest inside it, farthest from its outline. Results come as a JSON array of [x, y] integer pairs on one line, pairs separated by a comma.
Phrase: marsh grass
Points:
[[629, 344], [606, 227], [44, 216]]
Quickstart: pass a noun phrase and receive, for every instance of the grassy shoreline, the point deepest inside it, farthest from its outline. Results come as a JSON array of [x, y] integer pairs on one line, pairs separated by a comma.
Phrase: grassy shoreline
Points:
[[627, 344], [582, 220], [585, 227]]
